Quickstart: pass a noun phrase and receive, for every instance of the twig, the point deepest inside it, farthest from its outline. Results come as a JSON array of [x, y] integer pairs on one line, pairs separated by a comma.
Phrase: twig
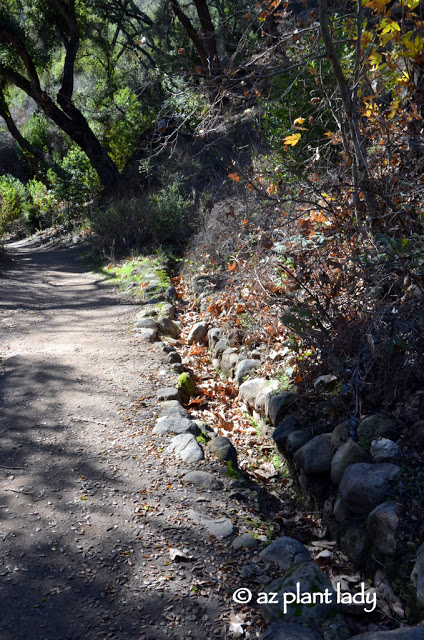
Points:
[[90, 420], [8, 467]]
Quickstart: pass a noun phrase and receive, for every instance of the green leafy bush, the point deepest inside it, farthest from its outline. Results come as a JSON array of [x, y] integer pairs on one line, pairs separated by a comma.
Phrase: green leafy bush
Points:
[[77, 183], [43, 207], [13, 200]]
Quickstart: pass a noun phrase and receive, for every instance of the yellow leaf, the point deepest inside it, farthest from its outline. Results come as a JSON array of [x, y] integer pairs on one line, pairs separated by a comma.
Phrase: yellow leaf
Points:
[[375, 58], [292, 140], [299, 121]]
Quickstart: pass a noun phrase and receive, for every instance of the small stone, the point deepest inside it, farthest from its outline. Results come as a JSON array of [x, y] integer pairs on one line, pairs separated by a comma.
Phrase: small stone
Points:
[[169, 327], [262, 399], [246, 540], [171, 294], [167, 309], [223, 449], [312, 580], [285, 552], [338, 436], [186, 387], [146, 323], [203, 480], [219, 527], [315, 456], [198, 333], [382, 524], [154, 300], [377, 425], [168, 348], [347, 454], [385, 450], [364, 486], [244, 368], [279, 405], [168, 393], [186, 447], [220, 347], [206, 430], [175, 425], [229, 360], [178, 367], [296, 440], [174, 357], [172, 409], [149, 335], [214, 336], [282, 432], [250, 389]]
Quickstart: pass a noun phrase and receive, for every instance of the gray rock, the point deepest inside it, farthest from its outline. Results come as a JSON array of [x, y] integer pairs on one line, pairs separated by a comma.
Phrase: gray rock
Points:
[[289, 631], [312, 581], [384, 450], [167, 309], [168, 348], [405, 633], [219, 527], [200, 283], [262, 399], [347, 454], [172, 408], [175, 425], [147, 312], [166, 405], [296, 440], [153, 288], [250, 389], [279, 405], [146, 323], [168, 393], [417, 575], [229, 360], [285, 552], [223, 449], [315, 456], [282, 432], [198, 333], [203, 480], [220, 347], [169, 327], [149, 335], [245, 540], [171, 294], [213, 337], [338, 436], [174, 357], [354, 541], [178, 367], [243, 369], [341, 512], [364, 486], [154, 300], [377, 425], [382, 524], [206, 430], [186, 447]]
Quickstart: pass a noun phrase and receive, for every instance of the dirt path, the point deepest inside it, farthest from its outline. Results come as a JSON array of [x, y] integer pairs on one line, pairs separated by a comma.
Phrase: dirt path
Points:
[[88, 505]]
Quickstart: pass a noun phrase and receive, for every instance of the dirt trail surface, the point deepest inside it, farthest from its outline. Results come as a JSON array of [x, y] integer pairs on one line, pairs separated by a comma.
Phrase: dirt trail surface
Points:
[[89, 503]]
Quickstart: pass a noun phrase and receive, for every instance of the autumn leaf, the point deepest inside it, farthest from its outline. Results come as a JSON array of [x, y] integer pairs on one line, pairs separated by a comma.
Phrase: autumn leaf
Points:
[[232, 266], [234, 177], [181, 51], [292, 140]]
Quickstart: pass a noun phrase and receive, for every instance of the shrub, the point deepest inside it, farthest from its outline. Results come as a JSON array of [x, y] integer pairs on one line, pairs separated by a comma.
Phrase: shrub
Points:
[[13, 200]]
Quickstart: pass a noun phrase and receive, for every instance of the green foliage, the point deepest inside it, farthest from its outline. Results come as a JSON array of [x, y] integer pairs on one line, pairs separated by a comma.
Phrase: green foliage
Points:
[[131, 121], [78, 182], [13, 200], [135, 222], [36, 131], [44, 204]]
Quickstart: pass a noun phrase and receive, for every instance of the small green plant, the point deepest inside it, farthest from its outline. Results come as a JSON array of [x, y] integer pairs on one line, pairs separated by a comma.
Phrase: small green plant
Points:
[[231, 472], [13, 200]]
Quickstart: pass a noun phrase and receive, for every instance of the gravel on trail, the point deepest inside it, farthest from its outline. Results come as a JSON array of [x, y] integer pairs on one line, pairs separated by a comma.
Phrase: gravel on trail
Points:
[[96, 539]]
